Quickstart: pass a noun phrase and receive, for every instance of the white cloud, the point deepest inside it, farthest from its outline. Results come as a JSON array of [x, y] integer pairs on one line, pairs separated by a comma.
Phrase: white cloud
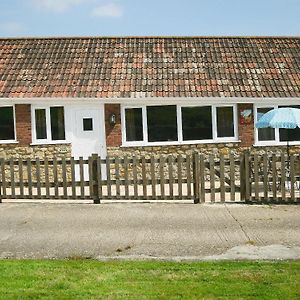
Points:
[[12, 27], [56, 5], [108, 10]]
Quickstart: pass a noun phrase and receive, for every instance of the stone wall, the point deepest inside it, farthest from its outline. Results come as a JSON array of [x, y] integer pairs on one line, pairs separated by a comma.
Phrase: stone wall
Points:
[[174, 151], [275, 149], [40, 151], [64, 150], [59, 151], [206, 149], [147, 151]]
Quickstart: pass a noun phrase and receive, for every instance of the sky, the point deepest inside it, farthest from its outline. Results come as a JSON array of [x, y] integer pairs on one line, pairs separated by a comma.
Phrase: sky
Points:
[[149, 18]]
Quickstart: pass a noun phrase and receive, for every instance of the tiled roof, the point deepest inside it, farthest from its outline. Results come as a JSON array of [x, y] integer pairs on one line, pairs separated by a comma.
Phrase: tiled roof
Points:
[[150, 67]]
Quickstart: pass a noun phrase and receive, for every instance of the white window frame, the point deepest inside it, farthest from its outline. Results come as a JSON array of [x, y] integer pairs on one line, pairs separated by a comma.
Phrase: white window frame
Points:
[[275, 142], [215, 138], [13, 141], [180, 140], [48, 140]]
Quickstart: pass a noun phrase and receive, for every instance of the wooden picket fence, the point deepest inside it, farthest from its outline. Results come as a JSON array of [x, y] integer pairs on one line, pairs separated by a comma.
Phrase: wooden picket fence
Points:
[[194, 178], [272, 178]]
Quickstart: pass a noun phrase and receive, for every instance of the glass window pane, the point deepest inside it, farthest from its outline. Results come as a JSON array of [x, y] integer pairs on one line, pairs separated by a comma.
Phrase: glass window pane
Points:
[[7, 127], [134, 124], [87, 124], [57, 123], [40, 124], [290, 135], [265, 134], [162, 123], [225, 126], [196, 123]]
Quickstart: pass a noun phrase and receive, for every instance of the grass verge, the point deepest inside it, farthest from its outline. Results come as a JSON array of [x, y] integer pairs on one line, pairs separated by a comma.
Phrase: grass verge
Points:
[[88, 279]]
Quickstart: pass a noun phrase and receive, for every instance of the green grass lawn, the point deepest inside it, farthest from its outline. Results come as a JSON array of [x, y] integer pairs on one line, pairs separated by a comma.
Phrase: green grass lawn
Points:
[[88, 279]]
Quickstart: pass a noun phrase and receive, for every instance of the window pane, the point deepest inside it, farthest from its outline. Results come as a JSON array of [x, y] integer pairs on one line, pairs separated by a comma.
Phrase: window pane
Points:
[[265, 134], [57, 123], [134, 124], [7, 128], [196, 123], [162, 123], [290, 135], [225, 124], [40, 124], [88, 124]]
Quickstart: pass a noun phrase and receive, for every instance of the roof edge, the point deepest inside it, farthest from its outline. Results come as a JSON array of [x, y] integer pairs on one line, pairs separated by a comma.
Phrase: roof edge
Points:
[[148, 37]]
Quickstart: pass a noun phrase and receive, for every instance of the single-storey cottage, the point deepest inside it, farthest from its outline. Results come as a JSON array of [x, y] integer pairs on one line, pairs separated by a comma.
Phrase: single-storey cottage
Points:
[[136, 95]]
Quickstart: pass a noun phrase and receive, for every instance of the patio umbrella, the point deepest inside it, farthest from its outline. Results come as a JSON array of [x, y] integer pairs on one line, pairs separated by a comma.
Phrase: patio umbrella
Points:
[[285, 117]]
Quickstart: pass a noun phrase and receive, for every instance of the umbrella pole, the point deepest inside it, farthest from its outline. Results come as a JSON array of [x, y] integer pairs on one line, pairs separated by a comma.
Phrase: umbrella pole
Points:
[[288, 156]]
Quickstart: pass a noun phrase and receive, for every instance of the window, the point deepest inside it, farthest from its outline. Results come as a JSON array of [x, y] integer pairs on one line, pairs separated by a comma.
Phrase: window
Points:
[[57, 123], [196, 123], [162, 123], [49, 124], [134, 124], [40, 124], [7, 123], [176, 124], [275, 135], [265, 134], [225, 121], [290, 134], [87, 124]]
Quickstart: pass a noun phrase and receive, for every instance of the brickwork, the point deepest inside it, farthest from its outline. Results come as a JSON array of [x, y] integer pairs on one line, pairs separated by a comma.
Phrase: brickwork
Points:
[[113, 132], [246, 126], [23, 124]]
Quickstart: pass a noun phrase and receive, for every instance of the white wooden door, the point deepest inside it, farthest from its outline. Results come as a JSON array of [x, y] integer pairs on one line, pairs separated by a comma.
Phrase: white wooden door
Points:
[[88, 136]]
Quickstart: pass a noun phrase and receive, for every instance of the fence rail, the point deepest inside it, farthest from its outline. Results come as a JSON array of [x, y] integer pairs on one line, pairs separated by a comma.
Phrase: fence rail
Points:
[[250, 178]]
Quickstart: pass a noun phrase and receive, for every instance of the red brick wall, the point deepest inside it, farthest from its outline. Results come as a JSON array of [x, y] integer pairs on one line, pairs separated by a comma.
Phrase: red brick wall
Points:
[[246, 127], [23, 124], [113, 133]]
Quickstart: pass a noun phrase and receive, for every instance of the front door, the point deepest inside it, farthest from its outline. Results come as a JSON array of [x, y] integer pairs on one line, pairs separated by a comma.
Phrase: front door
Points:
[[88, 135]]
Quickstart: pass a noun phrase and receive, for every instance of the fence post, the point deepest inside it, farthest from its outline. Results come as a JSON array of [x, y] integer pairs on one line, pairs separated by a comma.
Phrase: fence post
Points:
[[242, 176], [245, 176], [1, 184], [196, 176], [2, 172], [95, 178]]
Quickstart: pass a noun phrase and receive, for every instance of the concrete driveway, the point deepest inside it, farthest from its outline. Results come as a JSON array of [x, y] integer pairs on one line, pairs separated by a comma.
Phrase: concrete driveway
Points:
[[149, 231]]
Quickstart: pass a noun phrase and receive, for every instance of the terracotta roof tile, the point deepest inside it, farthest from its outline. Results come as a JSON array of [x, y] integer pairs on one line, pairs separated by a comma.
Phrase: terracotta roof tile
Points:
[[150, 67]]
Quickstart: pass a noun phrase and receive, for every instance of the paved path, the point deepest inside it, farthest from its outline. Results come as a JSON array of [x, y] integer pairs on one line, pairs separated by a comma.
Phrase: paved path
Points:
[[142, 231]]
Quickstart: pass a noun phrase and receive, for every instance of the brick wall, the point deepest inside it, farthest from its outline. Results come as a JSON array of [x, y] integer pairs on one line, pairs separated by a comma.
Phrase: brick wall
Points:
[[113, 132], [23, 124], [246, 126]]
